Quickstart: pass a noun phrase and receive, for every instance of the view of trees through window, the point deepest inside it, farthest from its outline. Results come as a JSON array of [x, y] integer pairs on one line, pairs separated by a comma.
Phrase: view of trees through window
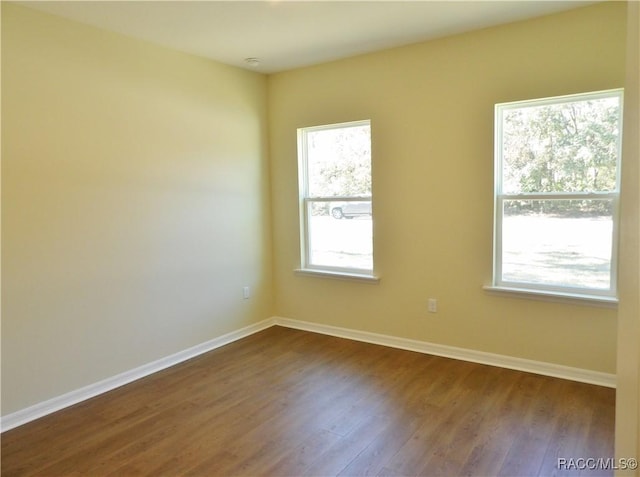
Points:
[[339, 162], [558, 189], [337, 204], [566, 147]]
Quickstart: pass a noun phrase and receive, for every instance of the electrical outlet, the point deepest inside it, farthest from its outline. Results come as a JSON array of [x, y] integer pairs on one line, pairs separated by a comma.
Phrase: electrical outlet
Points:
[[246, 292], [432, 305]]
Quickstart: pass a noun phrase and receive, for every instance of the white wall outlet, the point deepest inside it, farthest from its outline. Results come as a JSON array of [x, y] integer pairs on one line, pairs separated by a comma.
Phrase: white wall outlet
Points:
[[246, 292], [432, 305]]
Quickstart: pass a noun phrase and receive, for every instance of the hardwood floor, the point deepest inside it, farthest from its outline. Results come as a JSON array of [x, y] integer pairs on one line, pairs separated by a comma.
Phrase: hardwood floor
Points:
[[285, 402]]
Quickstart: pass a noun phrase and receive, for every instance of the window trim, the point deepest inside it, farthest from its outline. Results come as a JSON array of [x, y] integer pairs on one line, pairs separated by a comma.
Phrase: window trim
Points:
[[304, 201], [557, 297], [554, 292]]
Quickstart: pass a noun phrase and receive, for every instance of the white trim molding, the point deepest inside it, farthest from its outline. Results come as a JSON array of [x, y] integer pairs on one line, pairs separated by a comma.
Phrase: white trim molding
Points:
[[69, 399], [538, 367], [556, 297], [338, 275], [481, 357]]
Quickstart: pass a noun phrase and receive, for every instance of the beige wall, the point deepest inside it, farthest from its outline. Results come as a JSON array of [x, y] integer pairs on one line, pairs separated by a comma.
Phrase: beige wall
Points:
[[628, 388], [134, 204], [431, 111]]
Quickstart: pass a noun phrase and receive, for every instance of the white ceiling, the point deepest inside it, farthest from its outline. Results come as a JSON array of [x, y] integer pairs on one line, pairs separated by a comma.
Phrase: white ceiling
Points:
[[291, 34]]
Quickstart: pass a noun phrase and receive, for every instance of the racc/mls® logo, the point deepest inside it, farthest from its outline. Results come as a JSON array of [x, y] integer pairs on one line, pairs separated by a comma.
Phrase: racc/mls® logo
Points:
[[597, 463]]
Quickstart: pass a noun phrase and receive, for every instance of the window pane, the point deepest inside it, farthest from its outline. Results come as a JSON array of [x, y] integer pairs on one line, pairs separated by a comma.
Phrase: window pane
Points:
[[339, 161], [340, 234], [558, 242], [568, 146]]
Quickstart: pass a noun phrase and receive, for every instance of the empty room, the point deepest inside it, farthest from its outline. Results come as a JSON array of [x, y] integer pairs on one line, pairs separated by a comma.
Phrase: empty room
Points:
[[320, 238]]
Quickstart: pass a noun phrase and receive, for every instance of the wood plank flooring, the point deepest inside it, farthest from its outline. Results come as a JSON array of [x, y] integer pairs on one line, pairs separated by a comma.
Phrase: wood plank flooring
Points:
[[285, 402]]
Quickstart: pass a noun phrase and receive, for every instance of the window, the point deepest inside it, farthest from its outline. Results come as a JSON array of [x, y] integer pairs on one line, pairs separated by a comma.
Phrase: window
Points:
[[335, 198], [557, 182]]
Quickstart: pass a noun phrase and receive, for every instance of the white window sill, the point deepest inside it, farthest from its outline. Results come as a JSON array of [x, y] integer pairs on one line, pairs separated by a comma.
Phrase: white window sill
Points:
[[359, 277], [558, 297]]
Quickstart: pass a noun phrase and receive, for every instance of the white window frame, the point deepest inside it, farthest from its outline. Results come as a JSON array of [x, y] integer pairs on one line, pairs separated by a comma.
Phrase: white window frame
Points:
[[305, 204], [530, 289]]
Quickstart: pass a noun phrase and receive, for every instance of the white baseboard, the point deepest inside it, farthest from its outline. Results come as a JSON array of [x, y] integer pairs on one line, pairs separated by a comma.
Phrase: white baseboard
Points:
[[509, 362], [69, 399], [538, 367]]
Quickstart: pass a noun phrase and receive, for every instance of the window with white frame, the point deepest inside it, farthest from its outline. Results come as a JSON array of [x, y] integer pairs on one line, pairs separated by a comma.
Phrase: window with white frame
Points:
[[335, 198], [557, 184]]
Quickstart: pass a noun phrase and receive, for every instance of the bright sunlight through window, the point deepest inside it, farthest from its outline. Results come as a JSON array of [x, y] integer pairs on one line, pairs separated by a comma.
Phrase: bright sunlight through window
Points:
[[335, 198], [557, 183]]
